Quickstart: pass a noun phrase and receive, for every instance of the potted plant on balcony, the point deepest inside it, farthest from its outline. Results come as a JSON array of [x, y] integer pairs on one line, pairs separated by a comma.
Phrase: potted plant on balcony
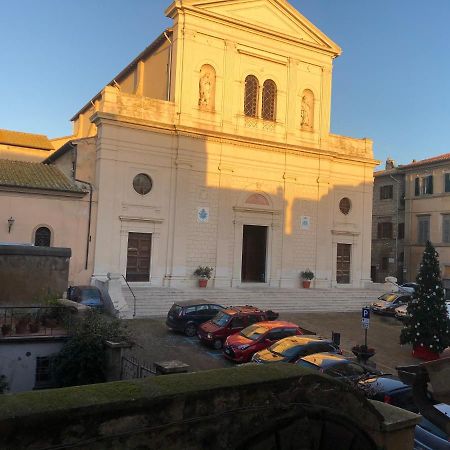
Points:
[[204, 274], [306, 276]]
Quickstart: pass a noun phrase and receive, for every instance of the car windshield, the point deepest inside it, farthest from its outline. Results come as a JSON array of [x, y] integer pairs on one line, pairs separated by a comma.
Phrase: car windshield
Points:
[[175, 309], [254, 332], [390, 298], [221, 319], [286, 348], [89, 294]]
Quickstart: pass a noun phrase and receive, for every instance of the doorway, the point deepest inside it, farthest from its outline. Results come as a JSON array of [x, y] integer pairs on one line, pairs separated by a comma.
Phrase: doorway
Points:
[[343, 263], [254, 254], [138, 256]]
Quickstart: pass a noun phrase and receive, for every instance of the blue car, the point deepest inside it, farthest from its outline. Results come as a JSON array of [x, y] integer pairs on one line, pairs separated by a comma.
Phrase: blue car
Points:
[[428, 436], [86, 295]]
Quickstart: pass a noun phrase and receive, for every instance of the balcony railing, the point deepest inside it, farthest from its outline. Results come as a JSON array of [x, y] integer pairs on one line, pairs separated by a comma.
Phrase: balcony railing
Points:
[[34, 321]]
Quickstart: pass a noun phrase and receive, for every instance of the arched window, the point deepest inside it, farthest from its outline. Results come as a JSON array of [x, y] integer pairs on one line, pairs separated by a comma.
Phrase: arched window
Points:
[[207, 87], [42, 237], [269, 100], [251, 96], [307, 110]]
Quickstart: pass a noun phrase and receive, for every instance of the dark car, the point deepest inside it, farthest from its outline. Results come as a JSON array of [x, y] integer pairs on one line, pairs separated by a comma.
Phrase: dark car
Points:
[[86, 295], [188, 315], [230, 321], [292, 348], [429, 436], [337, 366], [389, 389], [240, 347], [387, 303]]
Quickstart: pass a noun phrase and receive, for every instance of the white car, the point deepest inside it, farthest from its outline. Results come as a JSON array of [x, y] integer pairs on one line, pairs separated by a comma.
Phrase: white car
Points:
[[401, 312]]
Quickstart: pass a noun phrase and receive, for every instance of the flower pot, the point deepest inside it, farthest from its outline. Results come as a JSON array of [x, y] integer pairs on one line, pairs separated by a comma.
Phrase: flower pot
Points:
[[424, 353], [202, 282], [362, 353], [306, 284]]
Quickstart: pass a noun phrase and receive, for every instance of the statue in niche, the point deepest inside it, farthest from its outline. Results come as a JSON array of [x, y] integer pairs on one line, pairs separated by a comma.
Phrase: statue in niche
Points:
[[206, 88], [307, 109]]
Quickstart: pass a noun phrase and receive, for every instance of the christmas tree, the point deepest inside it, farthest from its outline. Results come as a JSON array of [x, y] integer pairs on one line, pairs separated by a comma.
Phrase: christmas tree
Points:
[[428, 324]]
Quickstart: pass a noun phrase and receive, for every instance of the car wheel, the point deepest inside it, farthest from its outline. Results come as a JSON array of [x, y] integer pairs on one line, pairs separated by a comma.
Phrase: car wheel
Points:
[[217, 344], [190, 330]]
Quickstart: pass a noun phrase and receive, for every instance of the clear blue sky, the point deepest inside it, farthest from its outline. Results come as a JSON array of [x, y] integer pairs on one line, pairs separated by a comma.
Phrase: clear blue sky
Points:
[[392, 82]]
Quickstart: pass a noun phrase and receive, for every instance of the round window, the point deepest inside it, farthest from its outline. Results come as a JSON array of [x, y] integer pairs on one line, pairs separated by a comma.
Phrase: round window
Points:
[[142, 184], [345, 205]]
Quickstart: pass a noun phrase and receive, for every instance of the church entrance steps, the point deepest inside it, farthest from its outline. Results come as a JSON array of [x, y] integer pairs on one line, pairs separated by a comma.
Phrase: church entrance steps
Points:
[[154, 301]]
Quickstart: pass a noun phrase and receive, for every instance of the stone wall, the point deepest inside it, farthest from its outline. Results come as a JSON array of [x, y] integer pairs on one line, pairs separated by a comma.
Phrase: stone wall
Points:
[[248, 407], [30, 274]]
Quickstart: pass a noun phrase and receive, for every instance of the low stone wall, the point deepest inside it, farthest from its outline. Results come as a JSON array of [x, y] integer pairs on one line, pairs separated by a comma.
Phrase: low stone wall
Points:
[[249, 407], [29, 274]]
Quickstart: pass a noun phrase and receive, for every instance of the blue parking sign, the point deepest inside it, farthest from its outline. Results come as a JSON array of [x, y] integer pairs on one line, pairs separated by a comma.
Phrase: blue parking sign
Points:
[[366, 313]]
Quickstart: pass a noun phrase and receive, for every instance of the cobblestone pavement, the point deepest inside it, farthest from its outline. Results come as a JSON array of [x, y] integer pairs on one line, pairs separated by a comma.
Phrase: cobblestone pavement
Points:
[[154, 342]]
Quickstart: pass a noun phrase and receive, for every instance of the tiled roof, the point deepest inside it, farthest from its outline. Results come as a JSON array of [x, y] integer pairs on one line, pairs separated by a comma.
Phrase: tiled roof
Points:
[[434, 159], [28, 140], [21, 174]]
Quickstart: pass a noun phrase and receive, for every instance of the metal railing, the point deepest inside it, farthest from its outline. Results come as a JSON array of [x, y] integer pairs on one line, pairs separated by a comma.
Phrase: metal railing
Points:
[[28, 321], [131, 368], [134, 297]]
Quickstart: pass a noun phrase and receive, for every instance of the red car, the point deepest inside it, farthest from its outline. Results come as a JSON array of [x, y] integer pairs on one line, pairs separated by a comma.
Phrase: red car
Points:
[[240, 347], [230, 321]]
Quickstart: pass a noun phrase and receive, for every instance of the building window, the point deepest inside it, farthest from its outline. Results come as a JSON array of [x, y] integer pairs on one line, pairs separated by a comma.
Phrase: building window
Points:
[[43, 377], [447, 182], [385, 230], [345, 205], [423, 228], [423, 185], [142, 184], [386, 192], [269, 100], [251, 96], [401, 231], [385, 263], [446, 228], [42, 237]]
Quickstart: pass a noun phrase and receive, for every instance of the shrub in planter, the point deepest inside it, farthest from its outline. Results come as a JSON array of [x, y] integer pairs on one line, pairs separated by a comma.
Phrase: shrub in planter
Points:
[[204, 274], [306, 276]]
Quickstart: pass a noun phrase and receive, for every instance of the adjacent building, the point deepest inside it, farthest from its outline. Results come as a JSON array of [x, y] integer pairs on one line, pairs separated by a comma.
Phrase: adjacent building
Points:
[[411, 206]]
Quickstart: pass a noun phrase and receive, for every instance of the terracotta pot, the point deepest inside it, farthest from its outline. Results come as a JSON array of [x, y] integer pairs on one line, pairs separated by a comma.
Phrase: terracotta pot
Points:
[[202, 282], [424, 353], [306, 283]]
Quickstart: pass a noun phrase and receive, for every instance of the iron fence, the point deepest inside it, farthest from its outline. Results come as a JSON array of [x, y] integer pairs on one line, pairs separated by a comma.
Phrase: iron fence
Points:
[[132, 368]]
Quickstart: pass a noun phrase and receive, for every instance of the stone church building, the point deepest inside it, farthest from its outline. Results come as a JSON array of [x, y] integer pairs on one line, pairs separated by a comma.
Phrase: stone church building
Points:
[[213, 147]]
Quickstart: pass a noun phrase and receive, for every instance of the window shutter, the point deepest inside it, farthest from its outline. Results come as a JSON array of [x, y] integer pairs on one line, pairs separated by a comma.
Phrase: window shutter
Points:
[[379, 231], [417, 186], [430, 184], [447, 182], [446, 229]]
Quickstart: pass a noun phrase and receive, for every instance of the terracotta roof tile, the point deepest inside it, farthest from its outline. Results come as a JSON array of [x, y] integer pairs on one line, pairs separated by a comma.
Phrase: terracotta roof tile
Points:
[[21, 174], [434, 159], [28, 140]]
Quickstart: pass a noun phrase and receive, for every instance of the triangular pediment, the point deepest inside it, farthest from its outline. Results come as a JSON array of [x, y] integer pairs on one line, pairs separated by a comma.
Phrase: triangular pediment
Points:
[[267, 15]]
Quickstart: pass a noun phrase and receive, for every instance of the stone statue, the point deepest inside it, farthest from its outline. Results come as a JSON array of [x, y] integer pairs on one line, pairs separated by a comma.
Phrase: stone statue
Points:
[[306, 112], [205, 89]]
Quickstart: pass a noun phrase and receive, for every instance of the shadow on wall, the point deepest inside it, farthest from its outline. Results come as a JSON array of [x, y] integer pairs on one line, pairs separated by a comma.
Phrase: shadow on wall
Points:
[[31, 275]]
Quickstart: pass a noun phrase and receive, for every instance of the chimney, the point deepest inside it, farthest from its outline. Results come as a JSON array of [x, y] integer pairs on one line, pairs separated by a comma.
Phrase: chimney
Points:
[[390, 163]]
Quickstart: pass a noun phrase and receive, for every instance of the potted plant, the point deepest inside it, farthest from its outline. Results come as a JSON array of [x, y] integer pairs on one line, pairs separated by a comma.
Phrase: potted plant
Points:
[[363, 353], [306, 276], [204, 274]]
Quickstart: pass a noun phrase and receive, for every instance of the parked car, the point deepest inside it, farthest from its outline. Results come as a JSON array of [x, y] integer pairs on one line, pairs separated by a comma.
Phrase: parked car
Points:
[[229, 321], [430, 437], [240, 347], [86, 295], [389, 389], [294, 347], [337, 366], [188, 315], [387, 303], [401, 312]]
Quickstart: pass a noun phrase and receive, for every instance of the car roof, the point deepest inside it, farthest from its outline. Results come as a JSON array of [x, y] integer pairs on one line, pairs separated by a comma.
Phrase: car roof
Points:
[[247, 309], [303, 340], [325, 360], [276, 324], [386, 383], [195, 302]]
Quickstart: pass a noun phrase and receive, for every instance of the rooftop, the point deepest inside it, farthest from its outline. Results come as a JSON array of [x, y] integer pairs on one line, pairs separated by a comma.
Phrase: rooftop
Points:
[[31, 175], [27, 140]]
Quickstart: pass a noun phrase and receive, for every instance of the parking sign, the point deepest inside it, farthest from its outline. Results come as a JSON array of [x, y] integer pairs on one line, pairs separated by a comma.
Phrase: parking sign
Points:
[[365, 317]]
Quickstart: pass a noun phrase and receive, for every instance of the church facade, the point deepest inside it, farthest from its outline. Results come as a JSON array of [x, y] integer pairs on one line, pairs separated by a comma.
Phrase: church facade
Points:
[[213, 148]]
